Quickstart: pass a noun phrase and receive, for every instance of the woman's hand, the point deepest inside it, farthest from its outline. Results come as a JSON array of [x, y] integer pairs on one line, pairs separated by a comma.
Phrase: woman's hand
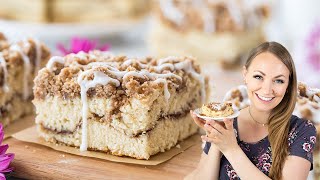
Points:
[[199, 121], [221, 135]]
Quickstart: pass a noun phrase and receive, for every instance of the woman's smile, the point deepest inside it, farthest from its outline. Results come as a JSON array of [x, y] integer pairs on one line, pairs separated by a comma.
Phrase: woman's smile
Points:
[[264, 99]]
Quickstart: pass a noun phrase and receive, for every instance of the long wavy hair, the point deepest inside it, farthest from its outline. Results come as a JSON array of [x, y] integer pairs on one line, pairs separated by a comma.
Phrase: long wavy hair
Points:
[[279, 119]]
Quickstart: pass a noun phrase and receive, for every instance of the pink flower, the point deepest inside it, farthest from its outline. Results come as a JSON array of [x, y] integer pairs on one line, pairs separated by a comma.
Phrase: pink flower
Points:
[[313, 47], [265, 157], [306, 147], [232, 174], [5, 159], [313, 139], [84, 44], [266, 167]]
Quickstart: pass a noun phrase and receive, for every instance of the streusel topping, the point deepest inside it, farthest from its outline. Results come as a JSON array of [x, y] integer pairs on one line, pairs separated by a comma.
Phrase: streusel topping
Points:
[[212, 16], [106, 74]]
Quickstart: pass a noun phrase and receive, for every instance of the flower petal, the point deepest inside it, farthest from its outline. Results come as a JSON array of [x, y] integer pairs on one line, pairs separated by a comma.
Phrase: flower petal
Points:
[[61, 48], [9, 169], [3, 149], [5, 161], [104, 47], [2, 177]]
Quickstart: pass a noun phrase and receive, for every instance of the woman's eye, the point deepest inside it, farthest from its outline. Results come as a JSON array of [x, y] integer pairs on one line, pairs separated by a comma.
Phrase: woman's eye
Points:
[[279, 81], [257, 77]]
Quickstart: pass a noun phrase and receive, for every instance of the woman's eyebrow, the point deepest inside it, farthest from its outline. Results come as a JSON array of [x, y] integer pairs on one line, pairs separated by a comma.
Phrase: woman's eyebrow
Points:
[[265, 74], [279, 76], [260, 72]]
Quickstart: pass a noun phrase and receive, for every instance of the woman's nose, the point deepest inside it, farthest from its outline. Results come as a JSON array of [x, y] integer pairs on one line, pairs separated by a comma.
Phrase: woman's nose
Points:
[[267, 88]]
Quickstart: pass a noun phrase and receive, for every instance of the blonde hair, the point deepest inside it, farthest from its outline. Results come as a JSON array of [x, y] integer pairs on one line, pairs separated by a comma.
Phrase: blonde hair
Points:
[[279, 119]]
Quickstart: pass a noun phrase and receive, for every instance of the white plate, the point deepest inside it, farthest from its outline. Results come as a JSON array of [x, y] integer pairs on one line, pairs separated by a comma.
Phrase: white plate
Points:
[[198, 113]]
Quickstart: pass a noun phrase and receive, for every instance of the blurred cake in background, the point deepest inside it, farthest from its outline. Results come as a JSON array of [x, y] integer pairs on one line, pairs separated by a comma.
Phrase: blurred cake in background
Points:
[[83, 11], [212, 31], [19, 63], [307, 107], [3, 42]]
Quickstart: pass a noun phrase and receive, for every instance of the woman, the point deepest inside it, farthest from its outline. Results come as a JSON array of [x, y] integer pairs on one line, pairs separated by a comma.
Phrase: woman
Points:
[[265, 141]]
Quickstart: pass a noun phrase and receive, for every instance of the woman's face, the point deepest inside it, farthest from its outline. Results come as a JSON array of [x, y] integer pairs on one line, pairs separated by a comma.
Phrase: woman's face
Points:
[[267, 80]]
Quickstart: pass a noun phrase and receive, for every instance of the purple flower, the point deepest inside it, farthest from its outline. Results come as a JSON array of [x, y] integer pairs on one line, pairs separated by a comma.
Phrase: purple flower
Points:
[[82, 44], [313, 47], [5, 159], [313, 139], [307, 147]]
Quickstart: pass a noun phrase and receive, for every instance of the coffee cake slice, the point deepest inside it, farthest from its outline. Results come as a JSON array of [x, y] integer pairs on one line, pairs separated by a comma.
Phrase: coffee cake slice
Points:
[[215, 109], [125, 106], [19, 63]]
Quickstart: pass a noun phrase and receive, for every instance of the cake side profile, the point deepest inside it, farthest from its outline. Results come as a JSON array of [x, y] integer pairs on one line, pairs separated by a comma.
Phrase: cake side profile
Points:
[[215, 109], [19, 63], [212, 31], [125, 106]]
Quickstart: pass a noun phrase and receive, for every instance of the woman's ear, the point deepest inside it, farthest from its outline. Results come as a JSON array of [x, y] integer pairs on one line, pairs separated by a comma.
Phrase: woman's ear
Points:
[[244, 74]]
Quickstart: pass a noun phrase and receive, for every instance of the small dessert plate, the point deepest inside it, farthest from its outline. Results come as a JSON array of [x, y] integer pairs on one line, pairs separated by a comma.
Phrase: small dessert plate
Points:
[[198, 113]]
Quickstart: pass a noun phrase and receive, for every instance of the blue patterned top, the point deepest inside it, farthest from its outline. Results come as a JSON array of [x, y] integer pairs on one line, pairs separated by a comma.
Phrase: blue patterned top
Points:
[[302, 139]]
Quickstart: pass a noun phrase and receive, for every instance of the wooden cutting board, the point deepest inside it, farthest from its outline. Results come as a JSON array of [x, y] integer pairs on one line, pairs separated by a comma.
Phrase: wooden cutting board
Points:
[[34, 161]]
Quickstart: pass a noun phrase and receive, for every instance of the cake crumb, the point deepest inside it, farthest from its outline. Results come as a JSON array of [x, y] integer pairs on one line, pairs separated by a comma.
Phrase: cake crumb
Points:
[[178, 146], [27, 147]]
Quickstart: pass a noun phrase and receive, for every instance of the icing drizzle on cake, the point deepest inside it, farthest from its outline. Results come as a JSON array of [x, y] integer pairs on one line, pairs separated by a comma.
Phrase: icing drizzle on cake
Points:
[[103, 73], [242, 13], [26, 71], [5, 72]]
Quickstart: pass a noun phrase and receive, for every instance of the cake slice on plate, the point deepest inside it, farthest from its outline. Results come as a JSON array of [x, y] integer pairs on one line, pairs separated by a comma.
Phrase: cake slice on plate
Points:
[[216, 110]]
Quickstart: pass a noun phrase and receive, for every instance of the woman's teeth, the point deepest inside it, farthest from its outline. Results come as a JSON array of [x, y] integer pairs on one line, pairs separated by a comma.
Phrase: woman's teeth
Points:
[[265, 98]]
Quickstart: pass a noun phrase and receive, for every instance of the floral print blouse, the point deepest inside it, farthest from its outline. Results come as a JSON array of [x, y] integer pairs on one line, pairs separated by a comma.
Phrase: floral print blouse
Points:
[[302, 139]]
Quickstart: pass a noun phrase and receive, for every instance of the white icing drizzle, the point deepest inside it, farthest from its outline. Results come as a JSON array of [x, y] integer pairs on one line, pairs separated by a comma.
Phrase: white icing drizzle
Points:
[[235, 12], [187, 67], [163, 66], [53, 60], [104, 79], [171, 12], [81, 55], [238, 12], [167, 59], [207, 16], [38, 55], [5, 73], [85, 85], [165, 85], [131, 61], [27, 69], [316, 98], [245, 102]]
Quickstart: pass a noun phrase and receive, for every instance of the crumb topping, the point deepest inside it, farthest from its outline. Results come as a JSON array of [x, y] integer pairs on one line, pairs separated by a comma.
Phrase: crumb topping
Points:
[[103, 74], [30, 54], [212, 16], [214, 106]]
